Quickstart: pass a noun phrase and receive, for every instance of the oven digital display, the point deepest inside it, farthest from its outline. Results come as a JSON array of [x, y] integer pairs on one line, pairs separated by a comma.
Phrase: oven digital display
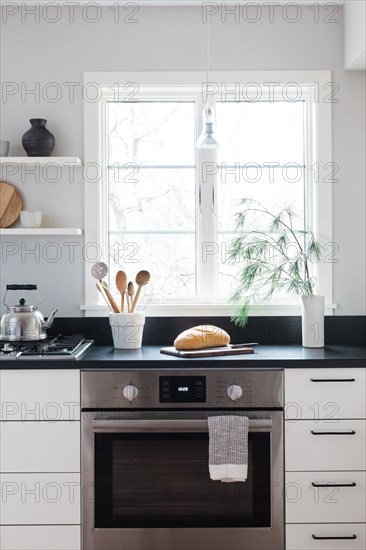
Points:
[[182, 389]]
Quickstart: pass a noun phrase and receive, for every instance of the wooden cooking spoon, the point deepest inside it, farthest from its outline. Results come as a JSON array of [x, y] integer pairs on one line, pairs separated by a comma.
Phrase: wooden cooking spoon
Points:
[[102, 291], [121, 283], [142, 278], [130, 293], [110, 297]]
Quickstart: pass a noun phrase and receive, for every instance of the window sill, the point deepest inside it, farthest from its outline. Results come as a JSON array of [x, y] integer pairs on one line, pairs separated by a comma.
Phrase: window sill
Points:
[[212, 310]]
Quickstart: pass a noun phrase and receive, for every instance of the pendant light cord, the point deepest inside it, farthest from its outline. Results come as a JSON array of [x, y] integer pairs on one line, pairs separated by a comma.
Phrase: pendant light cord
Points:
[[207, 51]]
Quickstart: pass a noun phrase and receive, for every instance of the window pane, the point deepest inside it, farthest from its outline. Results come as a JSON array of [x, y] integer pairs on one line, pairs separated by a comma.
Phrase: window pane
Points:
[[169, 258], [152, 183], [152, 199], [227, 279], [260, 132], [151, 133], [261, 157], [152, 210], [283, 190]]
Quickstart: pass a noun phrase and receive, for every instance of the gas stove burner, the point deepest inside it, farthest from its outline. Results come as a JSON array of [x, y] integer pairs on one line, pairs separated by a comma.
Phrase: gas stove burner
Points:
[[62, 346]]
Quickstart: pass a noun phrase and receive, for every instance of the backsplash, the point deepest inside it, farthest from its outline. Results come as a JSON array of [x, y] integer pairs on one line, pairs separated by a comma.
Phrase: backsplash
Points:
[[264, 330]]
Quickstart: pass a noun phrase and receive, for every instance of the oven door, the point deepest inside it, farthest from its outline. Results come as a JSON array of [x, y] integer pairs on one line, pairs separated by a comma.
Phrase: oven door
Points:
[[147, 486]]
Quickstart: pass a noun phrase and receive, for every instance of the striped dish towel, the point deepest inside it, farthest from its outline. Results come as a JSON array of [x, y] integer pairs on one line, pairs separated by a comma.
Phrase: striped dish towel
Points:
[[228, 447]]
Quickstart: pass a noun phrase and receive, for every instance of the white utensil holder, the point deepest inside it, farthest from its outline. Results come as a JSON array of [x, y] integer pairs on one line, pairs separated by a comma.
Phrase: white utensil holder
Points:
[[127, 329]]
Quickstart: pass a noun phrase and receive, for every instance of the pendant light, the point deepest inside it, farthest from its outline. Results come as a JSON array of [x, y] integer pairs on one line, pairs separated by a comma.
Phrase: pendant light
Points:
[[207, 139]]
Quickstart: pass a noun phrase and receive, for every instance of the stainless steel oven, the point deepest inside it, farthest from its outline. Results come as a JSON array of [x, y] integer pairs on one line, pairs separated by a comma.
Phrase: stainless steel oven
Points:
[[145, 474]]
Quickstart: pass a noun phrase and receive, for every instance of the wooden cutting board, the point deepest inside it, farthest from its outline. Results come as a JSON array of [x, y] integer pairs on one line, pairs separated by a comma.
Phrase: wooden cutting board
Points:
[[10, 204], [207, 352]]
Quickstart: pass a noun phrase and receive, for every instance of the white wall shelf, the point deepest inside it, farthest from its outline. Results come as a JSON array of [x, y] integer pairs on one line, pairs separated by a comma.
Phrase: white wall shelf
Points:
[[42, 231], [31, 161]]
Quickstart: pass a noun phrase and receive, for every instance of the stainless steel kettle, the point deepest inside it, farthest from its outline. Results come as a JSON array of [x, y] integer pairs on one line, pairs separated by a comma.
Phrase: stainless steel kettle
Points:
[[22, 322]]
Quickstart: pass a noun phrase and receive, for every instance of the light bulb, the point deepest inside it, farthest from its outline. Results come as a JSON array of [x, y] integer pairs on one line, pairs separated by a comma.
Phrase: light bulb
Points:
[[207, 139]]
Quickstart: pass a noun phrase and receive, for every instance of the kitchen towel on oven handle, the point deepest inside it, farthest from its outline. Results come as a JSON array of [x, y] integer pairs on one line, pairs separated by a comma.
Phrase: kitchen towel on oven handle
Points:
[[228, 448]]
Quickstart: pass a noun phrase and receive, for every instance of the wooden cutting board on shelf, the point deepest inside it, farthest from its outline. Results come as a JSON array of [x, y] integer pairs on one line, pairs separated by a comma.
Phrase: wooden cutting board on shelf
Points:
[[207, 352], [10, 204]]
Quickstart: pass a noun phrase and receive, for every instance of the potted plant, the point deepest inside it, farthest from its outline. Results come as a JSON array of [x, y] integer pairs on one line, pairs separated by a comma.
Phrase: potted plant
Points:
[[276, 257]]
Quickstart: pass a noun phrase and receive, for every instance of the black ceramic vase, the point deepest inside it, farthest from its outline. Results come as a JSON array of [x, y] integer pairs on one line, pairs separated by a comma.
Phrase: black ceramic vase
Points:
[[38, 141]]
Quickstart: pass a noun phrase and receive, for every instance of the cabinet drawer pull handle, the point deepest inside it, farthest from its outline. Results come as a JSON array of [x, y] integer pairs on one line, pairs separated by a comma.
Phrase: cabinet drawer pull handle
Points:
[[333, 379], [353, 484], [352, 537], [350, 432]]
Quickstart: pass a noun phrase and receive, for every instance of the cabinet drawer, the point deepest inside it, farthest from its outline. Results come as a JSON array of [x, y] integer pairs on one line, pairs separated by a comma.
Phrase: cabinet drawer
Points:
[[321, 445], [306, 503], [300, 537], [312, 394], [40, 395], [34, 537], [40, 447], [40, 499]]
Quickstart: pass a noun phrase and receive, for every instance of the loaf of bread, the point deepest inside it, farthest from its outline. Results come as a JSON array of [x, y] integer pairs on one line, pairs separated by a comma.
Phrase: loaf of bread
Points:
[[203, 336]]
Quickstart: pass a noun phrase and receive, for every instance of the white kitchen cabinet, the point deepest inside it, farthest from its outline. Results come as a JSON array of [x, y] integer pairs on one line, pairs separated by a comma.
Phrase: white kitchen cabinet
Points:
[[308, 502], [40, 499], [40, 459], [301, 537], [36, 537], [322, 446], [40, 394], [40, 447], [327, 394], [325, 424]]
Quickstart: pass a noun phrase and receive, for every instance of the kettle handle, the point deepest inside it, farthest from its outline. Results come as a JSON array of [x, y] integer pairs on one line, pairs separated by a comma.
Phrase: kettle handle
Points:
[[21, 287]]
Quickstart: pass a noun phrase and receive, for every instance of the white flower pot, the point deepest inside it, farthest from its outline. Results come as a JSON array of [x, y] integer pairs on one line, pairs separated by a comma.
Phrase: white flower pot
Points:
[[313, 321]]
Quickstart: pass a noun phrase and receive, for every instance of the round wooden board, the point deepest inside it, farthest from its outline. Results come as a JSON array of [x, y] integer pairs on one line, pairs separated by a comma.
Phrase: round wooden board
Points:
[[10, 204]]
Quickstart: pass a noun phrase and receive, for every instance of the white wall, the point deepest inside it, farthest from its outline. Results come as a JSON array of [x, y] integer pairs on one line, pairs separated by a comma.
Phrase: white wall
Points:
[[355, 34], [168, 39]]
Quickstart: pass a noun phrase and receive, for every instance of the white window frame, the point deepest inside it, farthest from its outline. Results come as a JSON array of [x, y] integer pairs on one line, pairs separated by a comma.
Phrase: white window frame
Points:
[[150, 84]]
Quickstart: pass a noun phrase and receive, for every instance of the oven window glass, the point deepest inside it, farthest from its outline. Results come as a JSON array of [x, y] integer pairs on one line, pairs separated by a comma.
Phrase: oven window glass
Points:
[[162, 480]]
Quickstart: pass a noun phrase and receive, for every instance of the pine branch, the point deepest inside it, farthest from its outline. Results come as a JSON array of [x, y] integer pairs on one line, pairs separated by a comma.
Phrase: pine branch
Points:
[[261, 276]]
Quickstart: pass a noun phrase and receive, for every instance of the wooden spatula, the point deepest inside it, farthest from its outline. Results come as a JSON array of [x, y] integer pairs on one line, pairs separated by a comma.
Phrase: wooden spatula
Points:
[[130, 295], [121, 283]]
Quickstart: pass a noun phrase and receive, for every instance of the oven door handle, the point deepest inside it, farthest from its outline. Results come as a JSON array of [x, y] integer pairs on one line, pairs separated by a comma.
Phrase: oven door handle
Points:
[[113, 424]]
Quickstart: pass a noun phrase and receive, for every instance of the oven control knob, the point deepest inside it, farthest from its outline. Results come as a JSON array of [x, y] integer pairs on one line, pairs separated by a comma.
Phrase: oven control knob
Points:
[[234, 392], [130, 392]]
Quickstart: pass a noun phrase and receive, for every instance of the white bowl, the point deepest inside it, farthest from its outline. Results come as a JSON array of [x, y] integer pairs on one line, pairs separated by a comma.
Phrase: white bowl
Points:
[[31, 218]]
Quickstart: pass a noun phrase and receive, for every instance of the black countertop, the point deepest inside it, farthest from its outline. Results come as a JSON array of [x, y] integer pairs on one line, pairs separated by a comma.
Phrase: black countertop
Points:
[[266, 356]]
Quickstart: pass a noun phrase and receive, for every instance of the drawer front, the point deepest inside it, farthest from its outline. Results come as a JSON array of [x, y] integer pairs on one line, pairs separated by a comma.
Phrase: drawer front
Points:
[[34, 537], [40, 447], [40, 395], [40, 499], [327, 394], [300, 537], [306, 503], [324, 445]]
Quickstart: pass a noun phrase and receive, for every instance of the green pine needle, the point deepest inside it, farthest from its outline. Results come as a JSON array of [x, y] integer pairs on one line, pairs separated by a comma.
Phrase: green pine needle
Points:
[[270, 260]]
